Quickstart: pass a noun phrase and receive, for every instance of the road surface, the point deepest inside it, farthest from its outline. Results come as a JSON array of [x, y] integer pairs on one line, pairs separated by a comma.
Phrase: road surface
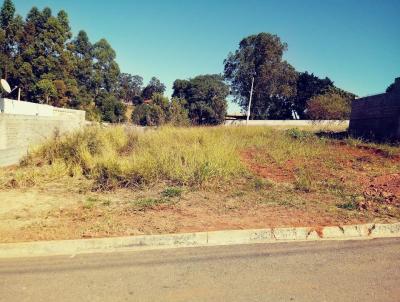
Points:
[[310, 271]]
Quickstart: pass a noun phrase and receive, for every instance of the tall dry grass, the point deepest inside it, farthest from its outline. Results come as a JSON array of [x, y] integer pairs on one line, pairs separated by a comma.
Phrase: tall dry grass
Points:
[[124, 157]]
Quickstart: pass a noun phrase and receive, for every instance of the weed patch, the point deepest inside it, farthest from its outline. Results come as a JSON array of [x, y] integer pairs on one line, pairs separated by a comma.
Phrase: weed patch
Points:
[[147, 203], [172, 192]]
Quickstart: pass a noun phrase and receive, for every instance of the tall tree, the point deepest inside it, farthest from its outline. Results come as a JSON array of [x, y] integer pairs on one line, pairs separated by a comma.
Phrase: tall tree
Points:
[[129, 87], [205, 97], [82, 51], [10, 34], [106, 69], [260, 56]]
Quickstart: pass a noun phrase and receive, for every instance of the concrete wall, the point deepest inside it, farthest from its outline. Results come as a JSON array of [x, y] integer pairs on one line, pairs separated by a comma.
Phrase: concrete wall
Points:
[[378, 116], [291, 123], [31, 126]]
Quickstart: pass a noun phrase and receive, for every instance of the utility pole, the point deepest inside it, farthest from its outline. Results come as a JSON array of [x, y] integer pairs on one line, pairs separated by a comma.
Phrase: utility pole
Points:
[[251, 96]]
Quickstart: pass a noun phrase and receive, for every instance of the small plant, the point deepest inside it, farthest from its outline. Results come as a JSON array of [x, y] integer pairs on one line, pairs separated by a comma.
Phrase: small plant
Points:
[[262, 183], [304, 181], [106, 202], [171, 192], [90, 202], [298, 134], [351, 204], [146, 203]]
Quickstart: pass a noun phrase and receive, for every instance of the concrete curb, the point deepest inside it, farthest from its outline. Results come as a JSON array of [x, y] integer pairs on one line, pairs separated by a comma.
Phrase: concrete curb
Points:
[[148, 242]]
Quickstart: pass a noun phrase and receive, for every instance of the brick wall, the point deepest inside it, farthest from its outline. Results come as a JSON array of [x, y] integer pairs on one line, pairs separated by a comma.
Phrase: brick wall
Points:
[[377, 117]]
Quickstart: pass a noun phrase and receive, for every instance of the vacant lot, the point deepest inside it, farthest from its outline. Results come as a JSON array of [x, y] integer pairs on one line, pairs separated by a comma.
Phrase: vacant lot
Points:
[[117, 181]]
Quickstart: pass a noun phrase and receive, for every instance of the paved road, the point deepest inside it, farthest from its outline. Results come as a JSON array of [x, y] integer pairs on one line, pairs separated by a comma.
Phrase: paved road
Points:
[[310, 271]]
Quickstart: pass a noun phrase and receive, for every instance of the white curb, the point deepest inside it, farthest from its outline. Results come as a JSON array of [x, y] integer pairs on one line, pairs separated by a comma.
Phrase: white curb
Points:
[[148, 242]]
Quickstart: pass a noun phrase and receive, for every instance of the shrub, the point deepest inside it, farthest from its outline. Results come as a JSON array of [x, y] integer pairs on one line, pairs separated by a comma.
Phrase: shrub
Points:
[[328, 106], [177, 114], [148, 115], [172, 192], [112, 110]]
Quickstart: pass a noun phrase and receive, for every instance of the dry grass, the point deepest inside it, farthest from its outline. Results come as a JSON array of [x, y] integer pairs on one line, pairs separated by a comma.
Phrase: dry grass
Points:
[[126, 181]]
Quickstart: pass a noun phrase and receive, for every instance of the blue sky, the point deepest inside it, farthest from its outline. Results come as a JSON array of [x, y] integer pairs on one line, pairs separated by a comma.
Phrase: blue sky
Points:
[[356, 43]]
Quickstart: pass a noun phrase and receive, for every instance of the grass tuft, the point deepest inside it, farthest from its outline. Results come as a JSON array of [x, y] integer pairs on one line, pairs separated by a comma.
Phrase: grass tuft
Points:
[[172, 192]]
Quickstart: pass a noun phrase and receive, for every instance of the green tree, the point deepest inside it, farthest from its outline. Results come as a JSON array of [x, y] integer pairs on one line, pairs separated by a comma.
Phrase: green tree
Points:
[[111, 109], [106, 70], [44, 56], [260, 56], [154, 86], [307, 86], [46, 89], [39, 55], [129, 87], [10, 34], [82, 53], [206, 98]]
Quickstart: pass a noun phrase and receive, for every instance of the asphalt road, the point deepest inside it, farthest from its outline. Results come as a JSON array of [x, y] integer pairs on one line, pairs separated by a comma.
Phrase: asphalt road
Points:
[[310, 271]]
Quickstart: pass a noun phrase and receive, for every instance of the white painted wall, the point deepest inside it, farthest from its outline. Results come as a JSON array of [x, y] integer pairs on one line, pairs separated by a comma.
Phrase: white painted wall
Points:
[[23, 124], [293, 123], [15, 107], [9, 106]]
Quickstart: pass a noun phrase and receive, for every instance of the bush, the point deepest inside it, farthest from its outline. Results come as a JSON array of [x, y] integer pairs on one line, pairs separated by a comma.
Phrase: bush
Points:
[[112, 110], [328, 106], [148, 115], [177, 114]]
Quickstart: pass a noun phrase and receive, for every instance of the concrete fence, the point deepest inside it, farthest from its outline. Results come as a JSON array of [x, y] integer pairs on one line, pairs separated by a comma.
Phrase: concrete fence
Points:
[[24, 124], [291, 123]]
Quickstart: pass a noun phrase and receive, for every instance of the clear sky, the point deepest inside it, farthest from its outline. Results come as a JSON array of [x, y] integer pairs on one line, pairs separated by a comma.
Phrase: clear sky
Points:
[[356, 43]]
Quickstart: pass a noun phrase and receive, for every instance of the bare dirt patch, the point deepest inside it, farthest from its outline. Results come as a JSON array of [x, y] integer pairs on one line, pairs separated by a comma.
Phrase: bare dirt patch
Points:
[[268, 169], [195, 211]]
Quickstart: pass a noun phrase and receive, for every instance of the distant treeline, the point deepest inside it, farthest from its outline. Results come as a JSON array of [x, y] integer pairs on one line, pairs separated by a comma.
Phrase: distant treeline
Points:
[[39, 55]]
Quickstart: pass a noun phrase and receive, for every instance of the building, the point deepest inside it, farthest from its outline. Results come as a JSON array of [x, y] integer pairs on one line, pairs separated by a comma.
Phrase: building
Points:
[[377, 117]]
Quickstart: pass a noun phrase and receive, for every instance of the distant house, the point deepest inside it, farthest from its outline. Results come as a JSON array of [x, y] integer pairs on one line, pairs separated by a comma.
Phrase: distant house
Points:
[[377, 117]]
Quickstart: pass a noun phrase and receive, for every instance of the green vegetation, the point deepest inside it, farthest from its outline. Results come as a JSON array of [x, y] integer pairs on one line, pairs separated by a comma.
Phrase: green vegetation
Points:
[[145, 203], [172, 192], [40, 55], [279, 90], [205, 97], [328, 106]]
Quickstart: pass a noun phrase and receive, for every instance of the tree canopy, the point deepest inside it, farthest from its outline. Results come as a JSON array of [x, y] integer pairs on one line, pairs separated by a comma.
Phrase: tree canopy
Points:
[[261, 56], [205, 97], [39, 55], [279, 90]]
